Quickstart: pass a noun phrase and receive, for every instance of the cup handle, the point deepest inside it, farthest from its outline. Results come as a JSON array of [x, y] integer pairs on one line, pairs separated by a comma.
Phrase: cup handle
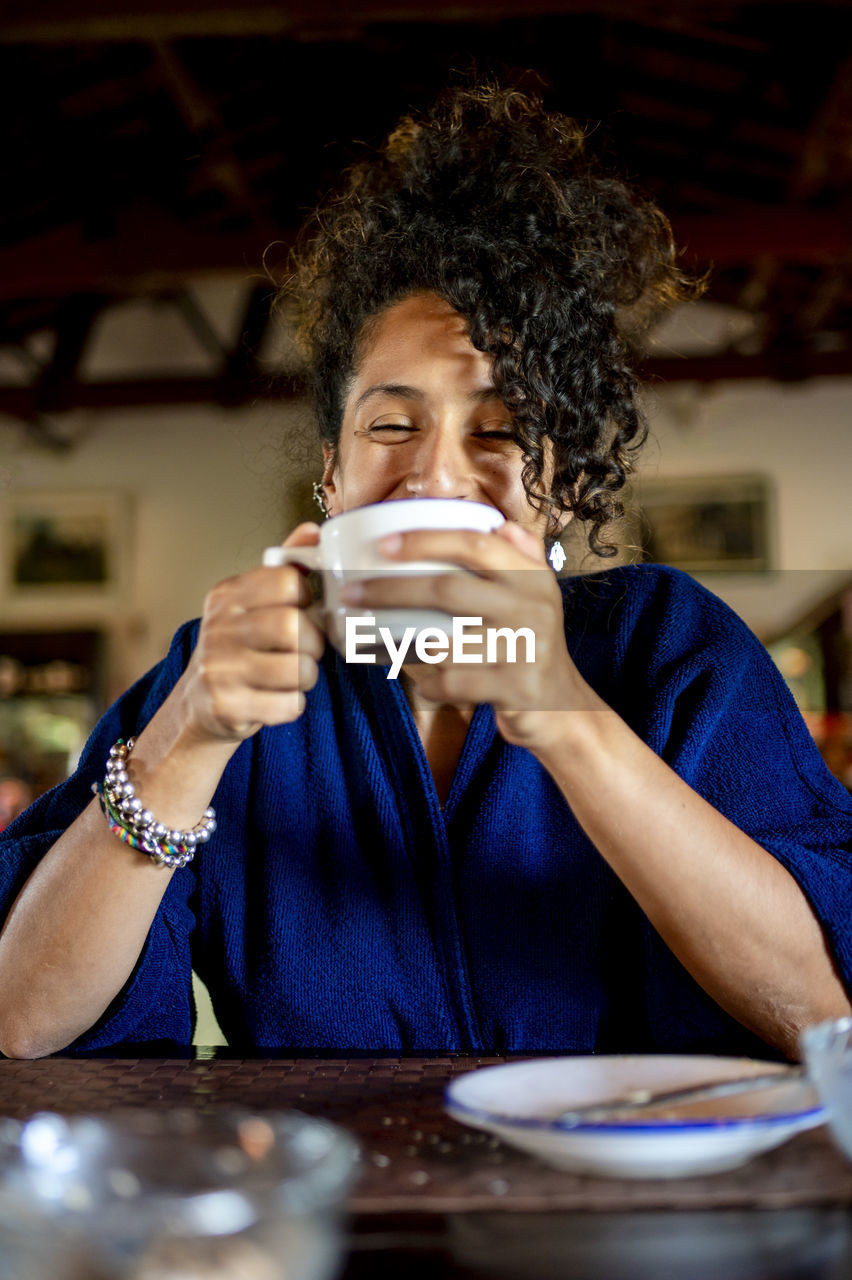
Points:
[[307, 557]]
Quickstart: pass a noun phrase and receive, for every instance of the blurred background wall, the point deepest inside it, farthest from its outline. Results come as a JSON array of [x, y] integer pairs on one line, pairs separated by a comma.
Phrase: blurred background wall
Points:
[[158, 159]]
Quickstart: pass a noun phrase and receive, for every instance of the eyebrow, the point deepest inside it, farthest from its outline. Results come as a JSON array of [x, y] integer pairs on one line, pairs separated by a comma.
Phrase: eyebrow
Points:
[[403, 392]]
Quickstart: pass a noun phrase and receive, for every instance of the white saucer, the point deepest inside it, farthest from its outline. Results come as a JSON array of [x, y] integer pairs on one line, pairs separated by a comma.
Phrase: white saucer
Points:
[[521, 1103]]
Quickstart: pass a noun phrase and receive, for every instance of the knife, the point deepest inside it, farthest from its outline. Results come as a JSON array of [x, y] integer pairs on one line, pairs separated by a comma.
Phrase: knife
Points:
[[639, 1101]]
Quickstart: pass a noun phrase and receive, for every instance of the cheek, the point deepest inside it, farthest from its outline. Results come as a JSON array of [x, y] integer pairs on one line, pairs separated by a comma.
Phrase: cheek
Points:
[[515, 500], [506, 476], [375, 469], [364, 478]]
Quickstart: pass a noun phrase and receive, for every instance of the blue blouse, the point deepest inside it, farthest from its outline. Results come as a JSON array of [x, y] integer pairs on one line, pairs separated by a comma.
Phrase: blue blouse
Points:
[[339, 906]]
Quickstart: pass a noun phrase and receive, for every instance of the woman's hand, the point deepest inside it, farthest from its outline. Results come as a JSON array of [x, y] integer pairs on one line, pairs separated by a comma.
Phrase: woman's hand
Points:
[[257, 651], [77, 929], [508, 584]]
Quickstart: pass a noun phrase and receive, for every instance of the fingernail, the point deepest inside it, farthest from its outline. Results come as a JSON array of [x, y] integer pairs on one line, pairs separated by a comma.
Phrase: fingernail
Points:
[[390, 543], [352, 593]]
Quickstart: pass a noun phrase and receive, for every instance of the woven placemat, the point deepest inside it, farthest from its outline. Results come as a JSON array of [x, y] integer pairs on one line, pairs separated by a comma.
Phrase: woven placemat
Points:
[[415, 1158]]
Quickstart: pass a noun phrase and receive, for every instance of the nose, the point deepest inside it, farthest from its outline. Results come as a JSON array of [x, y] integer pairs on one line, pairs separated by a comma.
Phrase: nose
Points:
[[440, 467]]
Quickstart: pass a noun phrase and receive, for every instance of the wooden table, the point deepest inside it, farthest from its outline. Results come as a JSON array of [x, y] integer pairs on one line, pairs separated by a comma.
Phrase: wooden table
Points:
[[436, 1199]]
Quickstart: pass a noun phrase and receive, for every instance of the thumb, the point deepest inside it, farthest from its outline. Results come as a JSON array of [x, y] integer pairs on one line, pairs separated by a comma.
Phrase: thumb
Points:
[[304, 535], [529, 543]]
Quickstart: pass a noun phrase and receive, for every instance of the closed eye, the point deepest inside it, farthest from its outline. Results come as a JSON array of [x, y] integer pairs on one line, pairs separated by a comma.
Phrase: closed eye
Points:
[[495, 438], [392, 428]]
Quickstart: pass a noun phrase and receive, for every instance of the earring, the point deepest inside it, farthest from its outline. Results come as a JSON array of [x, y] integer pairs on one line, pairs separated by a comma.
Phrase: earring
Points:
[[557, 556], [319, 498]]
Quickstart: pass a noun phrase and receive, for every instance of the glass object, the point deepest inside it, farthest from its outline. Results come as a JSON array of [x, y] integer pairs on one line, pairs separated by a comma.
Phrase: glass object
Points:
[[172, 1195], [827, 1051]]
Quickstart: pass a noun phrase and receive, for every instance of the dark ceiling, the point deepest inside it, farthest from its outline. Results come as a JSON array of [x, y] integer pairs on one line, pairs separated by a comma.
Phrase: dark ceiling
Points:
[[146, 145]]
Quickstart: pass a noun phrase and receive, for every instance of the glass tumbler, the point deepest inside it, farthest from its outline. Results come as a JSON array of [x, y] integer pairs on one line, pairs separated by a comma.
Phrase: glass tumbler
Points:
[[827, 1051]]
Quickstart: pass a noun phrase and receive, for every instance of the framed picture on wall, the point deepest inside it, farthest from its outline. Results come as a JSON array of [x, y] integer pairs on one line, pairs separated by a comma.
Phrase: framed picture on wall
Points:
[[702, 524], [63, 546]]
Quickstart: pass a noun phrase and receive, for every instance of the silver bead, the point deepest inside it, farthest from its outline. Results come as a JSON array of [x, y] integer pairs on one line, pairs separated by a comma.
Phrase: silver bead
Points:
[[152, 837]]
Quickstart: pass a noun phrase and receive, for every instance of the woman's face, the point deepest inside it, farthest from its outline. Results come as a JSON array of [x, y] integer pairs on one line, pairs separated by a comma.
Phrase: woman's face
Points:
[[422, 419]]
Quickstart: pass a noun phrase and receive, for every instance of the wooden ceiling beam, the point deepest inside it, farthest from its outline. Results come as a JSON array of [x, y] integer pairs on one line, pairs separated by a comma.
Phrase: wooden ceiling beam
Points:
[[76, 318], [151, 253], [22, 403], [826, 147], [789, 365], [219, 162], [792, 234], [55, 22], [242, 361]]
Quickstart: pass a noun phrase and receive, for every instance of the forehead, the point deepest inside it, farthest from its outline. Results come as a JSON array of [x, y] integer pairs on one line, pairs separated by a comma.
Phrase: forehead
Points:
[[421, 332]]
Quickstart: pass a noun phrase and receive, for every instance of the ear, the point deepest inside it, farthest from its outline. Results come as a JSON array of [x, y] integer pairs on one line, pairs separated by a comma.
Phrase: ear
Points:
[[330, 481]]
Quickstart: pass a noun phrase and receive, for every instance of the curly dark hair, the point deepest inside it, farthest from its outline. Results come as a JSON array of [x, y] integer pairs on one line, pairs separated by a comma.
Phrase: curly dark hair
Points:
[[492, 203]]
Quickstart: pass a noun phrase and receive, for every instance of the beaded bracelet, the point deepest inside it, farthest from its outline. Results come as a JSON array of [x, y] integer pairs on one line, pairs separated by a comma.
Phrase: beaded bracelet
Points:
[[136, 826]]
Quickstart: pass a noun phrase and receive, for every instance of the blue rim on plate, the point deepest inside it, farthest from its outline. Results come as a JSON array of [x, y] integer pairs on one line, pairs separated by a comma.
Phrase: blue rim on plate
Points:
[[640, 1126], [482, 1115]]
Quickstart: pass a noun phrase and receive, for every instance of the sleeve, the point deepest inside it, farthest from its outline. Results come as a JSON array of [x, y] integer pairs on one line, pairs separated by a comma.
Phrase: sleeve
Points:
[[156, 1002], [724, 719]]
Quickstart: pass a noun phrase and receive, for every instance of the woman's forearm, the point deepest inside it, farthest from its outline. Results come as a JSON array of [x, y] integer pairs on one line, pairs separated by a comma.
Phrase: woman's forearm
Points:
[[730, 912], [79, 924]]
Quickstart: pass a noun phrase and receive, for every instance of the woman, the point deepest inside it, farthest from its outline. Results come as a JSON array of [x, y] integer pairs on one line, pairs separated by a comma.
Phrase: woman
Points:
[[629, 844]]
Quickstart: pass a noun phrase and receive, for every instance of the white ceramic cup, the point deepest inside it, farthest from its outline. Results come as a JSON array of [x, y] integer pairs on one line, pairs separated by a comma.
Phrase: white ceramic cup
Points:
[[346, 552]]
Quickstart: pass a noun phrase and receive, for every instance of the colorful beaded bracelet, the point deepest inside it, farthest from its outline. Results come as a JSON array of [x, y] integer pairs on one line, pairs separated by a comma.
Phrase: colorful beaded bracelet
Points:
[[136, 826]]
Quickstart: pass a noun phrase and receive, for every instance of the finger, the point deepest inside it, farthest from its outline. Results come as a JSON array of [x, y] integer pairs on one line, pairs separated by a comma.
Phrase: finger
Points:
[[520, 686], [281, 672], [243, 715], [471, 684], [257, 589], [527, 542], [233, 677], [451, 592], [280, 628], [304, 535], [495, 600]]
